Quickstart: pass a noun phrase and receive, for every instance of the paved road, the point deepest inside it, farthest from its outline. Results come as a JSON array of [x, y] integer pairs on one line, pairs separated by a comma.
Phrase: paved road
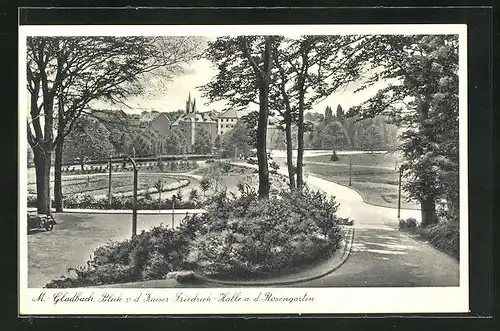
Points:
[[76, 236]]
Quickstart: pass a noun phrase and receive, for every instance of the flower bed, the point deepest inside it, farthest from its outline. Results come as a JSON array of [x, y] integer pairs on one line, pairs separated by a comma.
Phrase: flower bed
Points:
[[247, 237], [237, 238], [87, 201], [122, 200]]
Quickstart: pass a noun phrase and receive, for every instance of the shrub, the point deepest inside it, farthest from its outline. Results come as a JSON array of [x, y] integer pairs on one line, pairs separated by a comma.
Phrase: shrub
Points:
[[205, 184], [88, 201], [274, 167], [179, 197], [409, 223], [445, 236], [161, 165], [194, 196], [226, 166], [147, 193], [149, 255], [246, 236]]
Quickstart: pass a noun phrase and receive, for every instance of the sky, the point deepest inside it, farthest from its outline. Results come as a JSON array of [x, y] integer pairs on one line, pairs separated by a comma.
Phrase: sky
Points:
[[200, 72]]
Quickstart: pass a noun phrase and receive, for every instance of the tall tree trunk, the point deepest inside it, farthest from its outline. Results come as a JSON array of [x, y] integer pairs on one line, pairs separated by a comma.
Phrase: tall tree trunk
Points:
[[81, 164], [300, 134], [264, 185], [428, 204], [58, 178], [429, 216], [300, 147], [289, 155], [42, 159]]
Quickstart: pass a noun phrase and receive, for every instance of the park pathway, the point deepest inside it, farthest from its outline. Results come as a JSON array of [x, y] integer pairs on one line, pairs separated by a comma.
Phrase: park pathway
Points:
[[380, 254]]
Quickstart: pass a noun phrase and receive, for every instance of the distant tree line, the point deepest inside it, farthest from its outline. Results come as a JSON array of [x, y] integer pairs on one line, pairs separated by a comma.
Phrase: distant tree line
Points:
[[341, 132]]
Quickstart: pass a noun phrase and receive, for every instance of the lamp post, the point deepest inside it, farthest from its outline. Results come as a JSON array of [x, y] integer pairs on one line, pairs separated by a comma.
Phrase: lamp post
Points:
[[109, 181], [134, 210], [350, 170], [173, 210], [235, 153], [399, 169]]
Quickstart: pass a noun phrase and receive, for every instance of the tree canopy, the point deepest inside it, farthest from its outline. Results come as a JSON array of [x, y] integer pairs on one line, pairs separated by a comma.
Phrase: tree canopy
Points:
[[66, 74], [423, 99], [89, 140]]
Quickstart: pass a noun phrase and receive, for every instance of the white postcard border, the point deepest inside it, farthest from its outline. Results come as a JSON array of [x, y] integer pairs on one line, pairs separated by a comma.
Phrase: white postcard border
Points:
[[326, 300]]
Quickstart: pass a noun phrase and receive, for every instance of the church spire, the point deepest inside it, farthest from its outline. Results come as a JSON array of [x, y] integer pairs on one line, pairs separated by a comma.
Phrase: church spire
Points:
[[188, 104], [194, 106]]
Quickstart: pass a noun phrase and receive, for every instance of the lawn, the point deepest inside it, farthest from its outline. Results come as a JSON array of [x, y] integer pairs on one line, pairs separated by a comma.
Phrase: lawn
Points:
[[371, 176], [236, 175], [385, 160]]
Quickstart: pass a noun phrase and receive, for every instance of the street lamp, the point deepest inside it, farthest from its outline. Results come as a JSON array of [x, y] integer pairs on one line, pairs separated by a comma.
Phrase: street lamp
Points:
[[173, 210], [399, 169], [109, 180], [134, 210], [350, 170]]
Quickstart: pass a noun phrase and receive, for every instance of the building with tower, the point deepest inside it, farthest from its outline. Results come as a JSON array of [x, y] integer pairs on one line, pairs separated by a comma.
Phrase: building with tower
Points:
[[192, 121]]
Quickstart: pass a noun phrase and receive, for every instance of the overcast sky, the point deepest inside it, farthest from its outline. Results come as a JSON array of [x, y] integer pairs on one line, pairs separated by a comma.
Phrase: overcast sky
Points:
[[201, 71]]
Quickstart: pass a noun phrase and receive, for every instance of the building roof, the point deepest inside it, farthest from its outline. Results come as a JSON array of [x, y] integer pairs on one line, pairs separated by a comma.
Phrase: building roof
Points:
[[231, 113], [198, 117], [148, 117], [151, 116], [109, 113]]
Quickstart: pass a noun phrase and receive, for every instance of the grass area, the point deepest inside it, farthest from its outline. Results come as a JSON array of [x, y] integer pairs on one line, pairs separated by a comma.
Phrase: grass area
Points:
[[366, 159], [377, 186], [234, 176]]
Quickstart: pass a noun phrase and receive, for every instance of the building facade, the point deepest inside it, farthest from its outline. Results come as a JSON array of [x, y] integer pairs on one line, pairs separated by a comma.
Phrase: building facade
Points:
[[156, 121], [226, 121], [192, 121]]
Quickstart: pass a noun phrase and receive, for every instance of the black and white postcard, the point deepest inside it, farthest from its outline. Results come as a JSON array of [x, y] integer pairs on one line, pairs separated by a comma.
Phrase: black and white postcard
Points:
[[244, 169]]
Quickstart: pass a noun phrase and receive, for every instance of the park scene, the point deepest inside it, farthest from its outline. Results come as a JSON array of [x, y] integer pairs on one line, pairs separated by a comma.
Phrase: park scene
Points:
[[315, 161]]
